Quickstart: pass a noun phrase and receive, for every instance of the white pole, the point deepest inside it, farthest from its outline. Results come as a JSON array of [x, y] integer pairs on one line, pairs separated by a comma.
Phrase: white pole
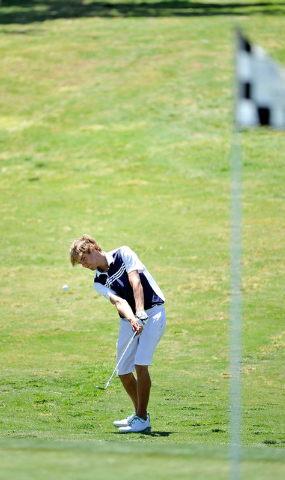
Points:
[[235, 311]]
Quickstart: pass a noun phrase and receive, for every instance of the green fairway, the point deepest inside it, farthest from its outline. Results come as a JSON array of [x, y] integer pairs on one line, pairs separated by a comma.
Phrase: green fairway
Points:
[[86, 460], [116, 120]]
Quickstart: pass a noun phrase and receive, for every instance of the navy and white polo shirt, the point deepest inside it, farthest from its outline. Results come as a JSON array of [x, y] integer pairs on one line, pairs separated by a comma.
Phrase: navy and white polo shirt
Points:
[[115, 281]]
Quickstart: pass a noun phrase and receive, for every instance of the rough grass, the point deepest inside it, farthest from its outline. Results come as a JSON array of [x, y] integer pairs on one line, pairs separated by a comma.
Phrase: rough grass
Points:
[[121, 127]]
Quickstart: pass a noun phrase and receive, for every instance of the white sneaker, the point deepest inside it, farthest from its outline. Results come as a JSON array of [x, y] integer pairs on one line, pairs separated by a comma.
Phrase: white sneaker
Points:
[[137, 424], [125, 422]]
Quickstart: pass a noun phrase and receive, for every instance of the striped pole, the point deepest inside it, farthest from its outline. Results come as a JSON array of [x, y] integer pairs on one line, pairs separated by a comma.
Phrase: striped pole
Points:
[[235, 310]]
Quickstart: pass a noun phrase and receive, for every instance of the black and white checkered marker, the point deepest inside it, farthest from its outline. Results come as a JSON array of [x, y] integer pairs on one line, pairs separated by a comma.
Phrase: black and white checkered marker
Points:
[[260, 98]]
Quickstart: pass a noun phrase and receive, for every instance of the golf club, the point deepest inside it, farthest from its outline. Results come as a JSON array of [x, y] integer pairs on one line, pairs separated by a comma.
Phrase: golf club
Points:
[[109, 381]]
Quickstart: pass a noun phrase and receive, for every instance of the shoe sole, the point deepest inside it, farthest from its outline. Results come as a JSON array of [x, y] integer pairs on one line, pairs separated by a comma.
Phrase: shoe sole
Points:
[[146, 430]]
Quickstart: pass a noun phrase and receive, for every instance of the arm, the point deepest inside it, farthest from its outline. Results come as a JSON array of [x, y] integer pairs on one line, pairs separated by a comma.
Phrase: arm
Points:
[[125, 310], [136, 285], [134, 266]]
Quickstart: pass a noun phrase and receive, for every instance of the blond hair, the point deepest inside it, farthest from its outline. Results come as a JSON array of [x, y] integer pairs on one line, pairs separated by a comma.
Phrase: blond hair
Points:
[[80, 246]]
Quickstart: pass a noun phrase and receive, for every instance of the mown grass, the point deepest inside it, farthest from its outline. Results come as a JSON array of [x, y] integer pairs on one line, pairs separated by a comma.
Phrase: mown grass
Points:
[[121, 127], [115, 461]]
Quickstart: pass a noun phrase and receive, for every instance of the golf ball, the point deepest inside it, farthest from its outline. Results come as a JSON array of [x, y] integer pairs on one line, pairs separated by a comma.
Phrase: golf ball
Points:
[[65, 288]]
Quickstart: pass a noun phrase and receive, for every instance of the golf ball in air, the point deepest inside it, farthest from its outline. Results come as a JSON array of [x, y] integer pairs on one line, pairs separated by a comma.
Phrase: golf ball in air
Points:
[[65, 288]]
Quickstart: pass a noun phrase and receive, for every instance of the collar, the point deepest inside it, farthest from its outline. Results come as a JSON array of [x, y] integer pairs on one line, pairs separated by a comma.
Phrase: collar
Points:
[[110, 260]]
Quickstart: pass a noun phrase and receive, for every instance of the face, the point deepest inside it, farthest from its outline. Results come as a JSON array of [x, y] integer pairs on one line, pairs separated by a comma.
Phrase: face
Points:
[[90, 260]]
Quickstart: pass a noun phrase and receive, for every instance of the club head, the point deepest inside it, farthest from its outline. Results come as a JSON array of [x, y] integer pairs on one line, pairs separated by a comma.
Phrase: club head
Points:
[[100, 388]]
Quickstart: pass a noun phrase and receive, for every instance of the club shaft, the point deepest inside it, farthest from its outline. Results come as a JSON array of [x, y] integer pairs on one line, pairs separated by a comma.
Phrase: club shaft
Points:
[[116, 367], [122, 356]]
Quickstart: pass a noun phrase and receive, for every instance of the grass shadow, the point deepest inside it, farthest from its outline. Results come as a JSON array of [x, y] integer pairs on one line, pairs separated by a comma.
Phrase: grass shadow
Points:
[[28, 11], [159, 434], [149, 434]]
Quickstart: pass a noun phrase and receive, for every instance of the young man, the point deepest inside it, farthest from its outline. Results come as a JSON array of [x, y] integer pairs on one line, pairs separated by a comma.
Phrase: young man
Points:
[[125, 282]]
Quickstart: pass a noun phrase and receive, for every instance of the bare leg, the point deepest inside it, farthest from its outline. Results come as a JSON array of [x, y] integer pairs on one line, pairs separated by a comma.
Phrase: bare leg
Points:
[[143, 390], [130, 384], [138, 389]]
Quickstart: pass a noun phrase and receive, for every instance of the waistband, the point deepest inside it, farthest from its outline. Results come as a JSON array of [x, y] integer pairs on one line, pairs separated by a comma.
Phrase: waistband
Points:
[[155, 309], [150, 311]]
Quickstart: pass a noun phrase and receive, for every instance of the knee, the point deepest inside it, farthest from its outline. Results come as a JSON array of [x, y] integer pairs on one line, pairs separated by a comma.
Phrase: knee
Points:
[[141, 369], [126, 378], [142, 372]]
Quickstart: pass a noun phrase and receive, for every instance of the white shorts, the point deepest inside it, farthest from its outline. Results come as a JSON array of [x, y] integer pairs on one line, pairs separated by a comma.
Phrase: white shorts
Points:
[[141, 349]]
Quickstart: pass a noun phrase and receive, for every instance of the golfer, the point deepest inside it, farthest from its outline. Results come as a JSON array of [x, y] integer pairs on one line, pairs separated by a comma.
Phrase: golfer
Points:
[[125, 282]]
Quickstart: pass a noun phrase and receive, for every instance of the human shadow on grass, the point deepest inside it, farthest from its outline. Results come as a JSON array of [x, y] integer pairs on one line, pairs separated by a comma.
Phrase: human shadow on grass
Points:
[[150, 434], [28, 11]]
